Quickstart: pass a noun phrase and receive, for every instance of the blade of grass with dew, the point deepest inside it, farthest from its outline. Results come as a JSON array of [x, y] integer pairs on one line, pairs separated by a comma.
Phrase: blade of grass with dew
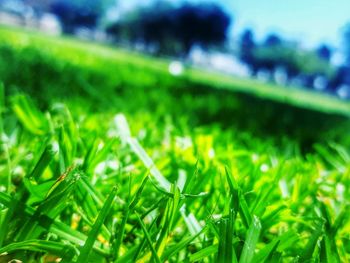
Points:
[[251, 241]]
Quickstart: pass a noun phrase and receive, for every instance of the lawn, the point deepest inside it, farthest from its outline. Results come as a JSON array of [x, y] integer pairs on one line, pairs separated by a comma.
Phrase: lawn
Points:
[[106, 157]]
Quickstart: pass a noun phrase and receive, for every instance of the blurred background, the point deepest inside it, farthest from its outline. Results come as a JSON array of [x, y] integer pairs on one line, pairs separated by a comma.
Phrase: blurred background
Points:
[[292, 43]]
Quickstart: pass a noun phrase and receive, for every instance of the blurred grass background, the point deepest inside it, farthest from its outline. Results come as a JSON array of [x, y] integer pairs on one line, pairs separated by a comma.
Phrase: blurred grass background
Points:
[[134, 83]]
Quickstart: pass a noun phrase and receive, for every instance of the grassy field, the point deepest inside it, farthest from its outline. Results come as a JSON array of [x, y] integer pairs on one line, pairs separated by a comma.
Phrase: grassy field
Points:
[[91, 54], [106, 157]]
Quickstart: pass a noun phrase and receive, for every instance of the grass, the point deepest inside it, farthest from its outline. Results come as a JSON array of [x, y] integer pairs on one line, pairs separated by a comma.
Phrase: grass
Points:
[[88, 74], [90, 54], [127, 173]]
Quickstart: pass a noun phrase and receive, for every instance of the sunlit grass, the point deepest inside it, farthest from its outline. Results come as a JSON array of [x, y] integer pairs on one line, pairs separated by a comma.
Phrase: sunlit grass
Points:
[[80, 197], [148, 172]]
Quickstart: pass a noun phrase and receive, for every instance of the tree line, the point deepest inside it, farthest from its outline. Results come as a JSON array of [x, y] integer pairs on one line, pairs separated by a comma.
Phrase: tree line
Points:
[[168, 29]]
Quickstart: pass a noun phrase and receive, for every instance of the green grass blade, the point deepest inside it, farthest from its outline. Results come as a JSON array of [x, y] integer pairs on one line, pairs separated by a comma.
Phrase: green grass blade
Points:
[[43, 162], [148, 162], [308, 251], [329, 251], [204, 253], [266, 252], [149, 240], [89, 243], [28, 114], [65, 251], [180, 246], [226, 252], [128, 209], [251, 241], [342, 219], [167, 223], [238, 200]]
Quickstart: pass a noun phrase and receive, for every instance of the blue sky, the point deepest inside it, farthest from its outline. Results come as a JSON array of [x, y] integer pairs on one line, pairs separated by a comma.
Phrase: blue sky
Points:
[[307, 21]]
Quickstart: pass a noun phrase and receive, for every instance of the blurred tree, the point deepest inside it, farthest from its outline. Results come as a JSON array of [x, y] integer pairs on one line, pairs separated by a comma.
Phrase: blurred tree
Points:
[[275, 53], [78, 13], [324, 51], [272, 40], [268, 56], [341, 77], [346, 43], [174, 30], [202, 24], [39, 6], [272, 54], [342, 74], [306, 65], [247, 47], [312, 66]]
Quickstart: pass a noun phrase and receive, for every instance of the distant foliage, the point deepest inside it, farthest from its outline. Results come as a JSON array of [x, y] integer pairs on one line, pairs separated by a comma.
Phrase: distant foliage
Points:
[[247, 46], [274, 53], [324, 51], [174, 30], [346, 43], [341, 77], [74, 14], [272, 40]]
